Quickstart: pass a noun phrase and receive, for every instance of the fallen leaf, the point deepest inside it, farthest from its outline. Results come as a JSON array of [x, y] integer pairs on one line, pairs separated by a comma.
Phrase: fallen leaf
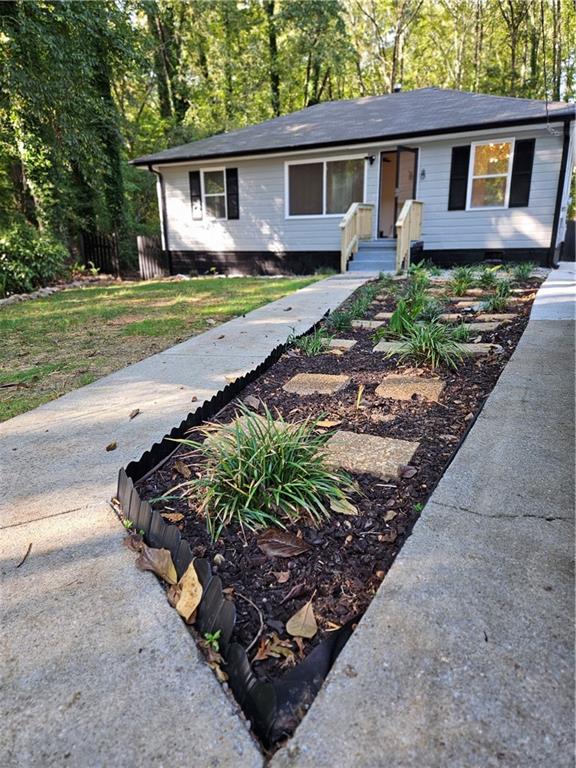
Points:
[[182, 469], [390, 515], [173, 517], [159, 561], [133, 541], [281, 576], [336, 352], [297, 591], [193, 399], [406, 471], [288, 309], [343, 507], [327, 423], [252, 402], [273, 647], [134, 413], [331, 626], [303, 623], [112, 446], [300, 643], [220, 337], [277, 543], [190, 594]]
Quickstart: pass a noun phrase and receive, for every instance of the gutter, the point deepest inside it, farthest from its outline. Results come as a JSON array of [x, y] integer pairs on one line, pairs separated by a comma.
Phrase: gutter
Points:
[[164, 217], [559, 194], [151, 160]]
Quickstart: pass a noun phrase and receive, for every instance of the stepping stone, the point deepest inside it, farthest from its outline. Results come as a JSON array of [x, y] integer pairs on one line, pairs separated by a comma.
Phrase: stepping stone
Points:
[[315, 384], [475, 350], [380, 456], [476, 318], [370, 324], [401, 387], [481, 327], [383, 316], [342, 343], [496, 318]]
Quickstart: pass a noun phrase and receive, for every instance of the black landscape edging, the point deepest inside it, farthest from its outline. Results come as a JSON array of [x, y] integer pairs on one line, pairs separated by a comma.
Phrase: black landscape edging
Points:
[[274, 708]]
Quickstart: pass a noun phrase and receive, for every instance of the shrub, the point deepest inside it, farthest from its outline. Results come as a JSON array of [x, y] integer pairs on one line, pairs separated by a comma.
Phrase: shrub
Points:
[[313, 343], [462, 280], [29, 259], [261, 471], [521, 272], [432, 344]]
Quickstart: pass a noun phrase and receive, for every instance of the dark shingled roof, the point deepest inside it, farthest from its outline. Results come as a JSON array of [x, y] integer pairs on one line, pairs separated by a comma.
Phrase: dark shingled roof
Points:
[[426, 111]]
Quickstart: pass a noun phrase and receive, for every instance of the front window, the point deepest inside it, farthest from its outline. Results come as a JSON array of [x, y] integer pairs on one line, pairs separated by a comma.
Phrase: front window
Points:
[[490, 182], [215, 194], [325, 188]]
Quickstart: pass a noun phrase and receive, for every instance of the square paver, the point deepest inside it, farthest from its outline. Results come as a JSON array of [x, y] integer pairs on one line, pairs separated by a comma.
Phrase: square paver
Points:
[[478, 327], [370, 324], [316, 384], [342, 343], [399, 387], [380, 456], [383, 316]]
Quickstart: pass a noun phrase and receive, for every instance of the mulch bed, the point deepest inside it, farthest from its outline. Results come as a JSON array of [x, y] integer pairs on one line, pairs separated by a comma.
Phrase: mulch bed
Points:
[[349, 555]]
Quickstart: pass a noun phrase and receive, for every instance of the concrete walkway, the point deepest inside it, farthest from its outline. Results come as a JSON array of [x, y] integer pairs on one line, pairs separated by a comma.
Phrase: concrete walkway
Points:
[[465, 657], [97, 669]]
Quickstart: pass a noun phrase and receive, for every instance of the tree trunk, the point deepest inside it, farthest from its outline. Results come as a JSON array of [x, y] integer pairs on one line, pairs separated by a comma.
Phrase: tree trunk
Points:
[[273, 53]]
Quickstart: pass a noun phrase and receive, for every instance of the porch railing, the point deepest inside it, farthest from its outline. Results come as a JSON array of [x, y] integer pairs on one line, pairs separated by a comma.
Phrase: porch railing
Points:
[[408, 228], [355, 226]]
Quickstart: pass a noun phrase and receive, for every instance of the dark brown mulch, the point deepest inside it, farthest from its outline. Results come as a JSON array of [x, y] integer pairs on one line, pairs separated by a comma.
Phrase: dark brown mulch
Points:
[[349, 556]]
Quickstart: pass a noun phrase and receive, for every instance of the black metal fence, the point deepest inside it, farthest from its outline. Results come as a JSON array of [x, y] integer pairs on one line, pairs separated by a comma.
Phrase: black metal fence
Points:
[[152, 260]]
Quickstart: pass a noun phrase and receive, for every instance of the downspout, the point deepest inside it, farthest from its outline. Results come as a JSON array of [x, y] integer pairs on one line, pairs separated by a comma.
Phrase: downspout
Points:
[[164, 234], [559, 195]]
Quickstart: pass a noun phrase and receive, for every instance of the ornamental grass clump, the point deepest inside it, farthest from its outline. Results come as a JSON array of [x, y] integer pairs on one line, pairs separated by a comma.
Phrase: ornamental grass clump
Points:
[[260, 471], [313, 343], [522, 272], [433, 344], [499, 301], [462, 279], [488, 279]]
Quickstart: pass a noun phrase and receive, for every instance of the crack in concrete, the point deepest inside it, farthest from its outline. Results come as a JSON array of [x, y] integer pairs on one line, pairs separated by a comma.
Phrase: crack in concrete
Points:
[[45, 517], [547, 518]]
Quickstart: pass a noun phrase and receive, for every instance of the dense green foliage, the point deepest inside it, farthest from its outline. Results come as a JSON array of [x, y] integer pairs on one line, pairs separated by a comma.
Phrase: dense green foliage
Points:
[[260, 471], [85, 86]]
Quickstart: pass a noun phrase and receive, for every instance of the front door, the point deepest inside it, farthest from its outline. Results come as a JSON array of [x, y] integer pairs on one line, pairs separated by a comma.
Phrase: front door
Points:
[[397, 184]]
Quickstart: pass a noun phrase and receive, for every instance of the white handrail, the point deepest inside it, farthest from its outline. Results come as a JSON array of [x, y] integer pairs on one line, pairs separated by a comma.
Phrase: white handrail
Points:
[[356, 225], [408, 229]]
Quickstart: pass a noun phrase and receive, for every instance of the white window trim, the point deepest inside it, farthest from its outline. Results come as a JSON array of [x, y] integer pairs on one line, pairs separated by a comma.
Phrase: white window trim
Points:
[[508, 174], [224, 194], [324, 161]]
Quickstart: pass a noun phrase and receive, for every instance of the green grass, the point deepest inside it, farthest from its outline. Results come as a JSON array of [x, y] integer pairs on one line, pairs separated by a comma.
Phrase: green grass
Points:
[[50, 346]]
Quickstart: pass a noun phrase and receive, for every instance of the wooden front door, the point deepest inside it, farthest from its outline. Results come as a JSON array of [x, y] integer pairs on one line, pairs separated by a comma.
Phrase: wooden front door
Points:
[[398, 170]]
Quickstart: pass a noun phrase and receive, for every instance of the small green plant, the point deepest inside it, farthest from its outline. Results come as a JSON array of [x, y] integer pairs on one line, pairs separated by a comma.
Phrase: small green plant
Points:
[[431, 310], [488, 278], [399, 324], [128, 524], [340, 320], [261, 470], [359, 307], [432, 344], [418, 507], [462, 280], [213, 639], [521, 272], [313, 343], [499, 301], [461, 333], [94, 271]]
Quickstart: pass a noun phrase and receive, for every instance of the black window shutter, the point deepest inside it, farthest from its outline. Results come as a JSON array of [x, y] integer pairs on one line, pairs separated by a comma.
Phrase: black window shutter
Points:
[[459, 178], [521, 173], [195, 194], [232, 202]]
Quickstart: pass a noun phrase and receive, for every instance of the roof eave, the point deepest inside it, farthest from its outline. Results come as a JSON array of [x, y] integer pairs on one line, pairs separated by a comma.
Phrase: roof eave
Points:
[[150, 160]]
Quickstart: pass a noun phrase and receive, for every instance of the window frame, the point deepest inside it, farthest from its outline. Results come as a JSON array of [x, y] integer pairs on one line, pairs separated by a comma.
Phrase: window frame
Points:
[[224, 194], [320, 161], [508, 174]]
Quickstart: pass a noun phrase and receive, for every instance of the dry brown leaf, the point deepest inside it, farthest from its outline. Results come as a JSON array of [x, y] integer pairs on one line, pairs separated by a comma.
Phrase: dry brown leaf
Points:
[[134, 541], [173, 517], [281, 576], [300, 643], [134, 413], [112, 446], [277, 543], [390, 515], [190, 594], [328, 423], [336, 352], [343, 507], [273, 646], [303, 623], [405, 471], [182, 469], [159, 561], [331, 626]]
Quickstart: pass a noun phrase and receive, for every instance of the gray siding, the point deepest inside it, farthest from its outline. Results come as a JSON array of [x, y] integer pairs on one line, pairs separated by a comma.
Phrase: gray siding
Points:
[[262, 225], [529, 227]]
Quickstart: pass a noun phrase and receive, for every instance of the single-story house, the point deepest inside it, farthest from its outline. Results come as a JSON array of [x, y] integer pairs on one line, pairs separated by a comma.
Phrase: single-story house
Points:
[[360, 184]]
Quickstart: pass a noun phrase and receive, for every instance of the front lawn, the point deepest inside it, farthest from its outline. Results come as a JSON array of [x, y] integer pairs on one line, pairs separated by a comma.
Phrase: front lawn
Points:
[[51, 346]]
